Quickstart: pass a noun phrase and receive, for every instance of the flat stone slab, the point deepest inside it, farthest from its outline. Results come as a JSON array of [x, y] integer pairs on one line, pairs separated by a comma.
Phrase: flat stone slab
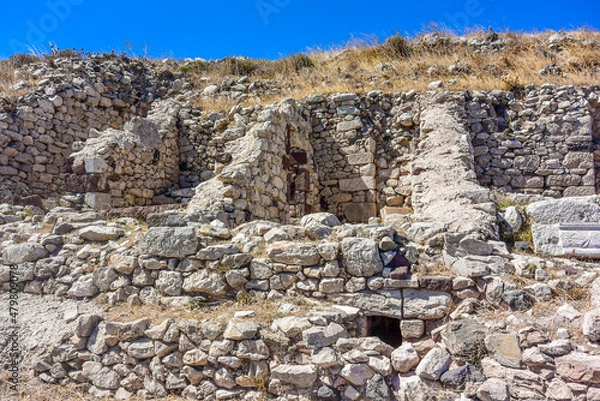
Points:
[[580, 239]]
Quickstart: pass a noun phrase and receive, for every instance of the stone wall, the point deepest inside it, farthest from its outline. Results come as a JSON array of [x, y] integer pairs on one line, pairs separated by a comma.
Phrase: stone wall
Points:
[[539, 144], [362, 149], [71, 98], [258, 181], [131, 166]]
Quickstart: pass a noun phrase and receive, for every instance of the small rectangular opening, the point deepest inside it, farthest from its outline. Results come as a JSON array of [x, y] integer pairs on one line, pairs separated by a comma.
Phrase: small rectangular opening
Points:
[[387, 329]]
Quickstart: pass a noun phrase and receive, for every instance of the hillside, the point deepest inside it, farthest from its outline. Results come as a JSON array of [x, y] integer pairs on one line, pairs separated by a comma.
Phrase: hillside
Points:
[[416, 219]]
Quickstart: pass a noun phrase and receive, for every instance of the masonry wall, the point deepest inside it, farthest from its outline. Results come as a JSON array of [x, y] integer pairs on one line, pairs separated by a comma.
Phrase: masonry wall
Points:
[[37, 134], [539, 144]]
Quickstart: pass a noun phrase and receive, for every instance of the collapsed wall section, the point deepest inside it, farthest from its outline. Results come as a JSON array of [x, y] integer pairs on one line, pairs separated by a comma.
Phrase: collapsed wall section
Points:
[[270, 174], [131, 166], [71, 98]]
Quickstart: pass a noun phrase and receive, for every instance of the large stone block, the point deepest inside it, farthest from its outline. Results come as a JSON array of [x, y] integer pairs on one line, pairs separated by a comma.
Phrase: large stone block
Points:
[[361, 257], [170, 242], [426, 305]]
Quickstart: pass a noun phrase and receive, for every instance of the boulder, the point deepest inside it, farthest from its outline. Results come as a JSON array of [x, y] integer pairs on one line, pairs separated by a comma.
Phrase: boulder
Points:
[[464, 338], [505, 347], [591, 325], [459, 377], [493, 389], [405, 358], [357, 373]]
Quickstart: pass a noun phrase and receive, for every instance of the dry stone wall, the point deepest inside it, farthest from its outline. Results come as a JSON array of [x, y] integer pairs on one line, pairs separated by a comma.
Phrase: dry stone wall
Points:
[[362, 149], [131, 166], [71, 98], [540, 144]]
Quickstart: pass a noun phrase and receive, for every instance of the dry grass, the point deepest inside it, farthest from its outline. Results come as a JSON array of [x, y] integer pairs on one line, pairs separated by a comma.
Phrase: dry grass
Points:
[[266, 311], [8, 78], [395, 65]]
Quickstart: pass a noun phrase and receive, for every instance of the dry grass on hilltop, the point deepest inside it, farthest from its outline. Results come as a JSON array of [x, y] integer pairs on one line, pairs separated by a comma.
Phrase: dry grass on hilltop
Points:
[[479, 61]]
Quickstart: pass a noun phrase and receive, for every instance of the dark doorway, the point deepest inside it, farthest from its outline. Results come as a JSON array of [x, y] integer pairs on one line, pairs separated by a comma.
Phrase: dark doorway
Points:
[[387, 329]]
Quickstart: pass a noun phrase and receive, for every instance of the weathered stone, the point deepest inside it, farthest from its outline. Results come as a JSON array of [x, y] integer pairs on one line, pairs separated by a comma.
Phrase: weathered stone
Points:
[[518, 299], [293, 253], [459, 377], [169, 283], [405, 358], [240, 330], [100, 233], [141, 349], [425, 304], [361, 257], [493, 389], [22, 253], [205, 282], [357, 374], [434, 364], [107, 379], [170, 242], [301, 376], [505, 348], [591, 325], [464, 337], [470, 268], [319, 336]]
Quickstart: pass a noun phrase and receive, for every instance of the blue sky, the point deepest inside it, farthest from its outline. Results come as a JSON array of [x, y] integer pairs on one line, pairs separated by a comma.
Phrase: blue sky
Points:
[[261, 28]]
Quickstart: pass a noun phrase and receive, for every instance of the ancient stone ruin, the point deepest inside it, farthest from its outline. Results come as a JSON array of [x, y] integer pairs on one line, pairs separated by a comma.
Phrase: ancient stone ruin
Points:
[[362, 240]]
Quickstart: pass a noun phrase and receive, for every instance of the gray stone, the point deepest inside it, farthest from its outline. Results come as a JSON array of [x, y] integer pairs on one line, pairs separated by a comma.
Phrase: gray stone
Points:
[[512, 219], [86, 324], [320, 336], [357, 374], [326, 219], [100, 233], [107, 379], [240, 330], [505, 347], [301, 376], [293, 253], [141, 349], [470, 268], [205, 282], [22, 253], [425, 305], [405, 358], [565, 210], [518, 299], [169, 283], [170, 242], [493, 389], [434, 364], [83, 287], [459, 377], [464, 337], [361, 257], [591, 325]]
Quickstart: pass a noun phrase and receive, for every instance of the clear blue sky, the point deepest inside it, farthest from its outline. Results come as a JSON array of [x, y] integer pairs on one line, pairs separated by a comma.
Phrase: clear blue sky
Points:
[[261, 28]]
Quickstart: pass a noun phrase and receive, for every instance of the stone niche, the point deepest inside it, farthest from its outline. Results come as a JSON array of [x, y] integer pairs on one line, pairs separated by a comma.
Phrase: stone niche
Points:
[[386, 328]]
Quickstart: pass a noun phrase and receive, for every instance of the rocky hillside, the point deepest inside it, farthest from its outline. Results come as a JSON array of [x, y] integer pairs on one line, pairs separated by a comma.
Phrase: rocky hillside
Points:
[[411, 220]]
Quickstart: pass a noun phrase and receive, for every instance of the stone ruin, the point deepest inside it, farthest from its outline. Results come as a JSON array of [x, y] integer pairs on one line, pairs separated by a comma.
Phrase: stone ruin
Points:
[[339, 201]]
